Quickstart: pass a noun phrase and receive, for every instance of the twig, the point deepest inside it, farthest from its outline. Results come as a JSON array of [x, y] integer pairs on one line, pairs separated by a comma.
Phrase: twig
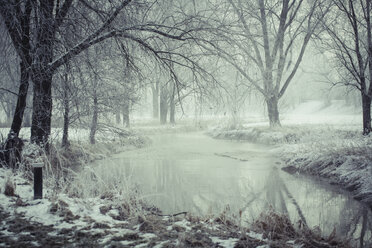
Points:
[[169, 215], [9, 91]]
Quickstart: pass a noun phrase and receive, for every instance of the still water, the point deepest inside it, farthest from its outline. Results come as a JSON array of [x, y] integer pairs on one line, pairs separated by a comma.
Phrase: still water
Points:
[[195, 173]]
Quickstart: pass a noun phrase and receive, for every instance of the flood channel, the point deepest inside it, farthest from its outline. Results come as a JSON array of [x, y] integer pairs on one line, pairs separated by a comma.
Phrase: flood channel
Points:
[[194, 173]]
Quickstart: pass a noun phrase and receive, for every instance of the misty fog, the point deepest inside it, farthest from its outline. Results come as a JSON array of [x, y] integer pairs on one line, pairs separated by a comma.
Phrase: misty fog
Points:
[[173, 123]]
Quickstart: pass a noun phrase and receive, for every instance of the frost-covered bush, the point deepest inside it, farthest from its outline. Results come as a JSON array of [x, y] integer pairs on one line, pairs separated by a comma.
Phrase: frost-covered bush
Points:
[[285, 135], [69, 170], [109, 184]]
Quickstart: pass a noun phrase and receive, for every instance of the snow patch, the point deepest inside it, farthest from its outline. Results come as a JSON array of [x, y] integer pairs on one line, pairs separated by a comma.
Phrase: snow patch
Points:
[[227, 243]]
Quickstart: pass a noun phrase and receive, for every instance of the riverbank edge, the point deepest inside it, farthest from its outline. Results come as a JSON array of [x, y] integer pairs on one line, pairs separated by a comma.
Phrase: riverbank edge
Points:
[[342, 165], [62, 221], [149, 227]]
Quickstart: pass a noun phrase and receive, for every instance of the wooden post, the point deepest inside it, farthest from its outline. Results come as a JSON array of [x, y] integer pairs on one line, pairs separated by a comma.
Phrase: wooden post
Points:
[[38, 180]]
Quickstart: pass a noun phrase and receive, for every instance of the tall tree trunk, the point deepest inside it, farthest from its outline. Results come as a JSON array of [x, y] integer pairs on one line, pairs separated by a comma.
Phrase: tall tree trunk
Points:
[[172, 105], [42, 76], [172, 110], [93, 127], [367, 101], [14, 145], [163, 105], [42, 107], [18, 22], [155, 100], [273, 112], [66, 114], [23, 89], [22, 99], [27, 118], [366, 106], [126, 107]]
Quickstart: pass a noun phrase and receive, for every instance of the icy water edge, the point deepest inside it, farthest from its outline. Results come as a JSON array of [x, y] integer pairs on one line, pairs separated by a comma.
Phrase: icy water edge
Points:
[[194, 173]]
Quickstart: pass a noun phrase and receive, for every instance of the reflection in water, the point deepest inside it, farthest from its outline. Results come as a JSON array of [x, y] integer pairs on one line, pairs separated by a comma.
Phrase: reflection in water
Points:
[[274, 192], [187, 173], [356, 224]]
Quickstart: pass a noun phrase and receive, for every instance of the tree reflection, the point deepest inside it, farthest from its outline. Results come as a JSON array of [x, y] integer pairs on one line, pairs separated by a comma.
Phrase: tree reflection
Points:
[[187, 186], [354, 219], [355, 223]]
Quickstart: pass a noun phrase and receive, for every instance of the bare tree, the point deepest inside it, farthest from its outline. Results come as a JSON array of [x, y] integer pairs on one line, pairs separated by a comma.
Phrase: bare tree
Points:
[[101, 22], [17, 18], [265, 40], [9, 71], [349, 39]]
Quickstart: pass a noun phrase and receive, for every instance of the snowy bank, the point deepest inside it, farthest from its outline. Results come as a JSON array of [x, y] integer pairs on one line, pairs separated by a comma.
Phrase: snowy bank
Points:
[[93, 207], [347, 163], [339, 154], [111, 217]]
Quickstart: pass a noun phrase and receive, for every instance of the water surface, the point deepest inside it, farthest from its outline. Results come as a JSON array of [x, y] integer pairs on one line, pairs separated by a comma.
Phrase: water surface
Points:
[[195, 173]]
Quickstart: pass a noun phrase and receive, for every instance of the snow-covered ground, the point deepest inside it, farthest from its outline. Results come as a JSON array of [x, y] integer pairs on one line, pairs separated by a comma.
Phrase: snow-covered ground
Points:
[[63, 220], [88, 210], [337, 112]]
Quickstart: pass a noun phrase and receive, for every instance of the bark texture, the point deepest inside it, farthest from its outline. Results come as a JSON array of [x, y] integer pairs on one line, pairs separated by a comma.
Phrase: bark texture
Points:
[[42, 76], [22, 99], [42, 108], [273, 111], [93, 127], [366, 106], [66, 113]]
